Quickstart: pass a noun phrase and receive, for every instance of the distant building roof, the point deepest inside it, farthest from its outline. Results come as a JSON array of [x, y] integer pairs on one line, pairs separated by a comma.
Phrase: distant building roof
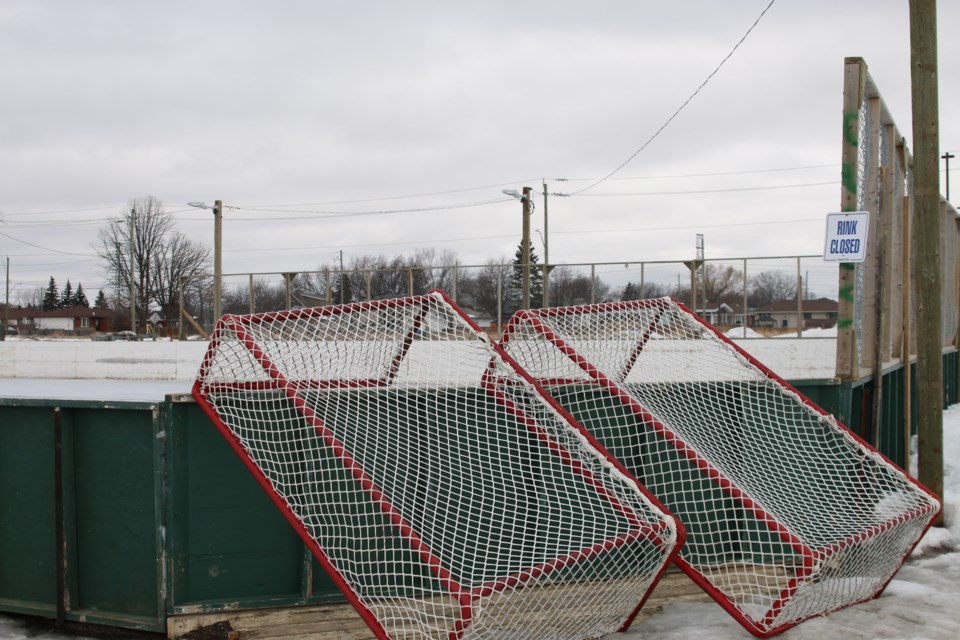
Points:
[[813, 305], [69, 312]]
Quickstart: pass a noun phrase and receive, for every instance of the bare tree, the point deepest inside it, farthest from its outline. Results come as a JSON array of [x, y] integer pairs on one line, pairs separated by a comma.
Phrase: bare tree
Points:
[[181, 258], [721, 283], [267, 296], [768, 287], [30, 298], [161, 255], [478, 289], [568, 287], [433, 270]]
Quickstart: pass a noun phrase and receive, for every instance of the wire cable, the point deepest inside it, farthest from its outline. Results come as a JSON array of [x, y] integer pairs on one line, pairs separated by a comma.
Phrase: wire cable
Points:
[[682, 106], [36, 246], [695, 191], [707, 175], [347, 214]]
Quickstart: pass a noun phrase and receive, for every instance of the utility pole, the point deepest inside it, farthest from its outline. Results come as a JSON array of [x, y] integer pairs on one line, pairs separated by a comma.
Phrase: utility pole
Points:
[[946, 156], [926, 177], [133, 282], [6, 305], [694, 265], [526, 247], [546, 250], [217, 259]]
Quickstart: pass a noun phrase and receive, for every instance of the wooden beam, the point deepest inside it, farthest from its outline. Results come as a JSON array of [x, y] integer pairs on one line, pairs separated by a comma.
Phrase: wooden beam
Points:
[[926, 180], [848, 354]]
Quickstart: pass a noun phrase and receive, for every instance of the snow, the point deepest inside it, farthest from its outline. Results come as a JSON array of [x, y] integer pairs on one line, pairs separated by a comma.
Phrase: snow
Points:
[[149, 360], [96, 390], [921, 602], [743, 332]]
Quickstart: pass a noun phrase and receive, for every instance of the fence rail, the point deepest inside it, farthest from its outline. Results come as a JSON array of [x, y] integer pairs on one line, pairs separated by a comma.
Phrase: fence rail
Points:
[[758, 293]]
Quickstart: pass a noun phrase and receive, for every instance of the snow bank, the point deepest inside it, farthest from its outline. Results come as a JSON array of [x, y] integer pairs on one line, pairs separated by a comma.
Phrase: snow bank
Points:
[[795, 359], [161, 360]]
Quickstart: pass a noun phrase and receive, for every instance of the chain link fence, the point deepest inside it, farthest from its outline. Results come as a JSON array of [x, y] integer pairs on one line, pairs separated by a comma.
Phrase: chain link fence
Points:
[[755, 294]]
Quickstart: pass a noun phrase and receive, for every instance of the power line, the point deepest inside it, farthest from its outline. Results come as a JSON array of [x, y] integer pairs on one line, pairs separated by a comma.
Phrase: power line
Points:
[[347, 214], [682, 106], [373, 244], [43, 213], [706, 175], [692, 226], [380, 199], [36, 246], [695, 191], [507, 236]]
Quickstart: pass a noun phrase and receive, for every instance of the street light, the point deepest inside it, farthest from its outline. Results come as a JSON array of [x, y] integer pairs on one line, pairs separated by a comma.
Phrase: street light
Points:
[[217, 252], [525, 244]]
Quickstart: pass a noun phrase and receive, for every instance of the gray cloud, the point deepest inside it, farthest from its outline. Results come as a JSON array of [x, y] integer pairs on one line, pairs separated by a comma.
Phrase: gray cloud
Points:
[[313, 102]]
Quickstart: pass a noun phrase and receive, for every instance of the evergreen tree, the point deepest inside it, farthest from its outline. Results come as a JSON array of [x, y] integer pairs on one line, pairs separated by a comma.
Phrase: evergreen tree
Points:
[[515, 296], [630, 292], [80, 298], [51, 297], [66, 298], [342, 290], [101, 302]]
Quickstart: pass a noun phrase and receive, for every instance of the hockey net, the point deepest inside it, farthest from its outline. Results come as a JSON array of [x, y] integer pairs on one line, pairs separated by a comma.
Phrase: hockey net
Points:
[[445, 495], [788, 514]]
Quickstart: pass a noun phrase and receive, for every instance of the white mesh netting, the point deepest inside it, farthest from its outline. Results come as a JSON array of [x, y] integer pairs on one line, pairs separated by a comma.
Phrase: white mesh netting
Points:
[[788, 515], [444, 493]]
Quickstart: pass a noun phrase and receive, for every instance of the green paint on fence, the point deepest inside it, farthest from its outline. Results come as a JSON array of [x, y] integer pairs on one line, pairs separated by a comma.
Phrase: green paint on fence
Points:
[[845, 323], [846, 293], [848, 266], [851, 127], [848, 178]]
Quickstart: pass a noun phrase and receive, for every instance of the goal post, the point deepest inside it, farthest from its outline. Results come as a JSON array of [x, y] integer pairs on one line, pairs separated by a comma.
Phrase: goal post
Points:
[[788, 514], [444, 493]]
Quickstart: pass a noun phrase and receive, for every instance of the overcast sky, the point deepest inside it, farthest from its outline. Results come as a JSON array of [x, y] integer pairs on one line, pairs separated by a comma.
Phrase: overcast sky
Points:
[[343, 107]]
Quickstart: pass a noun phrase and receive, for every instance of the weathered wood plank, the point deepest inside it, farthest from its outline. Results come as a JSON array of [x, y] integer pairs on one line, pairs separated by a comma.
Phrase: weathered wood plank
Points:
[[339, 621]]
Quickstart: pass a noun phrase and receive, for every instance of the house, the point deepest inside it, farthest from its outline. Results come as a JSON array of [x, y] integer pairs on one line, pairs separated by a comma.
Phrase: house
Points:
[[783, 314], [77, 320], [719, 314]]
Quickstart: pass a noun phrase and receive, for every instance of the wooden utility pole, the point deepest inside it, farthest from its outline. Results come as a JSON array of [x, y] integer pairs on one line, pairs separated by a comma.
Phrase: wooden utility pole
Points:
[[6, 305], [526, 247], [926, 179], [133, 282], [217, 260]]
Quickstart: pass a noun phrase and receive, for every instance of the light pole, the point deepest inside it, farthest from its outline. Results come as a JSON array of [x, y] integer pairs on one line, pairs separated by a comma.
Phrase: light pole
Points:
[[217, 253], [525, 243]]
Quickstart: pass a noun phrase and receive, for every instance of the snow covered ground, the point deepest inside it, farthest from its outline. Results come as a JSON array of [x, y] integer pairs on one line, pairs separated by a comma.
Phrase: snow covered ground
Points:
[[923, 601]]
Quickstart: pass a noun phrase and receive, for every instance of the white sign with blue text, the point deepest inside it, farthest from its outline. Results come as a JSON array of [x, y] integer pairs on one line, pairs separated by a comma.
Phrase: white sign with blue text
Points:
[[846, 237]]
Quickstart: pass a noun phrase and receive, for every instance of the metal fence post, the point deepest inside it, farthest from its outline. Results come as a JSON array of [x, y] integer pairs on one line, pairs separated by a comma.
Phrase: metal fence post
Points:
[[593, 284], [453, 287], [744, 309], [799, 300], [499, 299]]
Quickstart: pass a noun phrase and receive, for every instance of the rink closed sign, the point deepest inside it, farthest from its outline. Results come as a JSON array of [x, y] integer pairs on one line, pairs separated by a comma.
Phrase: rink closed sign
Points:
[[846, 237]]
